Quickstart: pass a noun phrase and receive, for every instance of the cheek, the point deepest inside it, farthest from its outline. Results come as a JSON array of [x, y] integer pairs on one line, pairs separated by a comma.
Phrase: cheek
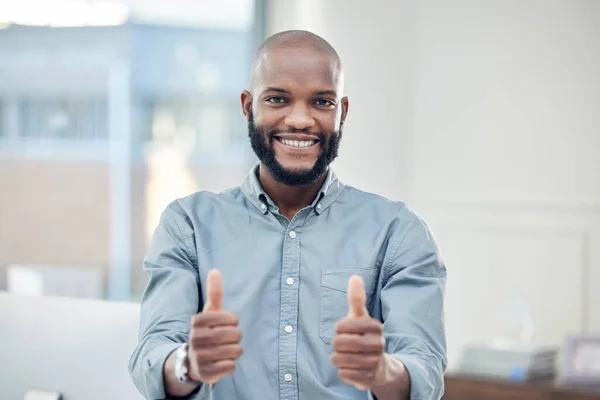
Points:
[[329, 124], [268, 117]]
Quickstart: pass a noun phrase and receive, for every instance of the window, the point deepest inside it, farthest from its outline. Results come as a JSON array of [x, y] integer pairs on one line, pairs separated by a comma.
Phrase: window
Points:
[[63, 119], [174, 81]]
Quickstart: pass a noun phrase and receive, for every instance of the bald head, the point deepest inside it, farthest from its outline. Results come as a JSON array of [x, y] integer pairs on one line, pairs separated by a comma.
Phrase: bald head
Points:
[[301, 44]]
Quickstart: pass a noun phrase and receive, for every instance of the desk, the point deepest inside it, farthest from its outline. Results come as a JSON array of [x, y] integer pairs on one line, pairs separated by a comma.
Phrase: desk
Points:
[[460, 387]]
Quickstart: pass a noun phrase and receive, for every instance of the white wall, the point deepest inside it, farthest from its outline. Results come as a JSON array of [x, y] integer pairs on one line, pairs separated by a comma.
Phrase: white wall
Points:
[[484, 116], [506, 135]]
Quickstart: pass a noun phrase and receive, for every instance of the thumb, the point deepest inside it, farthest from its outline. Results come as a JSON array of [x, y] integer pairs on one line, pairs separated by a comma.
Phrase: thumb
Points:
[[356, 297], [214, 291]]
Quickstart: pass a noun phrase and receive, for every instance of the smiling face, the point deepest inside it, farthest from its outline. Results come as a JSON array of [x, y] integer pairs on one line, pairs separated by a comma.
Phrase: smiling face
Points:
[[295, 112]]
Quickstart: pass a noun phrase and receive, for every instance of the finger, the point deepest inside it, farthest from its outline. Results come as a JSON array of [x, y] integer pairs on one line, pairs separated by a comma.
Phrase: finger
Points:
[[213, 319], [211, 373], [207, 355], [356, 361], [215, 336], [357, 377], [356, 297], [359, 326], [214, 291], [364, 344]]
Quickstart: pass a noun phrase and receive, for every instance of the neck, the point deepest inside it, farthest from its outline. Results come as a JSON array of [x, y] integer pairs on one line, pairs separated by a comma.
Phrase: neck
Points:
[[289, 199]]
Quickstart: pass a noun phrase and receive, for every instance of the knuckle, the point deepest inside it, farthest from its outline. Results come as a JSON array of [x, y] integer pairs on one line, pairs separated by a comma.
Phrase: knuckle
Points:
[[375, 348], [377, 327], [199, 319], [338, 326], [195, 344], [238, 335], [239, 351], [375, 344], [231, 317], [205, 354], [205, 371], [199, 339], [335, 343]]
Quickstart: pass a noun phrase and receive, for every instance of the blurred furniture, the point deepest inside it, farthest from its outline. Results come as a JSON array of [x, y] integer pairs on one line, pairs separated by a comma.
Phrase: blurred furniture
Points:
[[509, 360], [77, 347], [463, 387]]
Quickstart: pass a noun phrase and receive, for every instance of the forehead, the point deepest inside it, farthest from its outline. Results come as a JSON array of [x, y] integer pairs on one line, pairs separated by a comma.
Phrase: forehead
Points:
[[296, 69]]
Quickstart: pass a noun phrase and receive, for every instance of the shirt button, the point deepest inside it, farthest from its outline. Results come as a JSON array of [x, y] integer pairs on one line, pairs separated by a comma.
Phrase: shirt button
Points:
[[292, 234], [287, 377], [288, 328], [263, 206], [290, 281], [319, 206]]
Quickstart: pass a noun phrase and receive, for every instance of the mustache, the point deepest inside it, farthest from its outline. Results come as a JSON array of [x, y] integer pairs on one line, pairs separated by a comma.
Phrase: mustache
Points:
[[321, 135]]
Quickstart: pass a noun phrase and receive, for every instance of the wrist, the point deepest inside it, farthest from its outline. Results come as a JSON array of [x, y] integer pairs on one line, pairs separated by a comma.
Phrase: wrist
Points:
[[183, 366], [392, 379]]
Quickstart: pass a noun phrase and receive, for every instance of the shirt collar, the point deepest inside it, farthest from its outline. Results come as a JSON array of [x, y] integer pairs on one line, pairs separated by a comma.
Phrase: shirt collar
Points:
[[330, 190]]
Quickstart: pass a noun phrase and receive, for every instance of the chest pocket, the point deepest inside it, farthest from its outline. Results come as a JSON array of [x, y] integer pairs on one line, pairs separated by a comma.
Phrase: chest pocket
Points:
[[334, 302]]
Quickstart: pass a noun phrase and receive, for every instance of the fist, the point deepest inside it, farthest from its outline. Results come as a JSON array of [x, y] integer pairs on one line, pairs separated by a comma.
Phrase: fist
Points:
[[214, 342], [359, 345]]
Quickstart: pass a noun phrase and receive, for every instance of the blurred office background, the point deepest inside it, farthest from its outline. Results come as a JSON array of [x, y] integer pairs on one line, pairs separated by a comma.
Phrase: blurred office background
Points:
[[110, 110], [484, 116]]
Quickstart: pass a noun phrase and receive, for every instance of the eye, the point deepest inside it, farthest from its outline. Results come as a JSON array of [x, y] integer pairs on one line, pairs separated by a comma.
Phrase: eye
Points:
[[276, 100], [324, 103]]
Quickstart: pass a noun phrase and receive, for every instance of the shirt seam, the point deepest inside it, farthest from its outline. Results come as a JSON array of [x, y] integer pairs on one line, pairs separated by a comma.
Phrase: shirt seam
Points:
[[187, 243], [387, 267]]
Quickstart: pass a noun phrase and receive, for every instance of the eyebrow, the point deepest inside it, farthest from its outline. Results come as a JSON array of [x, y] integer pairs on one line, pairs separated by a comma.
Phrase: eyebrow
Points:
[[326, 92], [318, 93], [275, 89]]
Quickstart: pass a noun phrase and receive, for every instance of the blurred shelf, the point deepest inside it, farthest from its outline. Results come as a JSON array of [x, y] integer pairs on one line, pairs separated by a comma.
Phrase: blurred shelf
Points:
[[463, 387]]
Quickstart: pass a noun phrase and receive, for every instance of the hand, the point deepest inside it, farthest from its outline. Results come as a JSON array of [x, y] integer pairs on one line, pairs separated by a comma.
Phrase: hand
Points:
[[359, 343], [214, 342]]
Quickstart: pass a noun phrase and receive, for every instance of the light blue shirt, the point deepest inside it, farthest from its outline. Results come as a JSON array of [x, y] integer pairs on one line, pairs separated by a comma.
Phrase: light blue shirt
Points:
[[287, 281]]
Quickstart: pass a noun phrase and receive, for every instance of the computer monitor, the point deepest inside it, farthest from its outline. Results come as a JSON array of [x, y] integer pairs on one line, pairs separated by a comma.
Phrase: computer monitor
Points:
[[77, 347]]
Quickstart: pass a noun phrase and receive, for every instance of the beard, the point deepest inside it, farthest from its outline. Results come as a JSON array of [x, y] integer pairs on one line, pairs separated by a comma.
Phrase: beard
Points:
[[262, 144]]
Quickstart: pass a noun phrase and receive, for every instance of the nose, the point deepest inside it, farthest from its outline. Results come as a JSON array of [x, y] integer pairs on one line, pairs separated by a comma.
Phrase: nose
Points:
[[299, 118]]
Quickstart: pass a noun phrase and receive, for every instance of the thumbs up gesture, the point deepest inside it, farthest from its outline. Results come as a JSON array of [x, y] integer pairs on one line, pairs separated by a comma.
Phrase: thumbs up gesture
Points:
[[359, 343], [214, 342]]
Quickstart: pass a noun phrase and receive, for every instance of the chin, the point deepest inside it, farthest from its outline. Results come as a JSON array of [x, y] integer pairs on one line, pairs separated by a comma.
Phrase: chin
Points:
[[297, 168]]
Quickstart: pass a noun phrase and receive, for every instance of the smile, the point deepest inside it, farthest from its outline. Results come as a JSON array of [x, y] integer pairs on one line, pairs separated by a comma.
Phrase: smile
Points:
[[297, 143]]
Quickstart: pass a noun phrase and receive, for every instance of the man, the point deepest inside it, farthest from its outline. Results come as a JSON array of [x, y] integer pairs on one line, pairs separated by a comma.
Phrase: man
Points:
[[293, 285]]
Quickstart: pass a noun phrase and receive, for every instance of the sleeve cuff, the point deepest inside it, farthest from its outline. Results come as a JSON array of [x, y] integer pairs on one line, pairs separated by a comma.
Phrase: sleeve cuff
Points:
[[153, 370], [422, 385]]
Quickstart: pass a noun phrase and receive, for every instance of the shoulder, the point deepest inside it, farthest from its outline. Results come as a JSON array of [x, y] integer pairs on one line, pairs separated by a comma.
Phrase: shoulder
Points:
[[194, 207], [380, 206], [402, 223]]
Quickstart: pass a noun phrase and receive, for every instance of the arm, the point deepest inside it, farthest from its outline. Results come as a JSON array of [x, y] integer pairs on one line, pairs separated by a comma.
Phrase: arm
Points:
[[412, 298], [171, 298]]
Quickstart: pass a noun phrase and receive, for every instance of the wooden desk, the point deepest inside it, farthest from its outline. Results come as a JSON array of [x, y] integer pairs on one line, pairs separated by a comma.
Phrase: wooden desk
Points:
[[460, 387]]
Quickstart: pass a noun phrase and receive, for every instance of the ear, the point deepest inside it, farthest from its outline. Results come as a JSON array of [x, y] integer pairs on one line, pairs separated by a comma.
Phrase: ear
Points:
[[246, 99], [345, 105]]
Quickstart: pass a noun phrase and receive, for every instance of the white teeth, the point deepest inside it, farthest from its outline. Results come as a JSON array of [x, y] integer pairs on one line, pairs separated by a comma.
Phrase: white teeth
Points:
[[298, 143]]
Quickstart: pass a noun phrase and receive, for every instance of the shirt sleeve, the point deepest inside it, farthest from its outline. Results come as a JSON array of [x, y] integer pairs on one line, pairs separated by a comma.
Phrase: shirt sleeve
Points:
[[171, 298], [412, 301]]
